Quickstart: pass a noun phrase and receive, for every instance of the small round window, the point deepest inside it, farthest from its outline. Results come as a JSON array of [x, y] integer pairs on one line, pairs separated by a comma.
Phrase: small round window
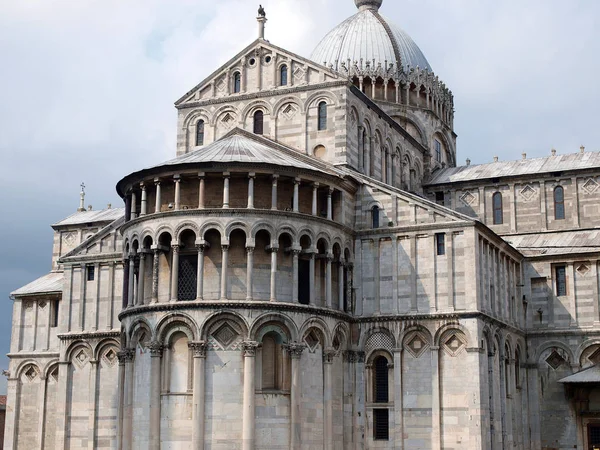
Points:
[[252, 61], [319, 152], [268, 59]]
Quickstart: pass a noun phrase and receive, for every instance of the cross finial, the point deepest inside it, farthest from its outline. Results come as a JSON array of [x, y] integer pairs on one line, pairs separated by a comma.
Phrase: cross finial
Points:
[[82, 198]]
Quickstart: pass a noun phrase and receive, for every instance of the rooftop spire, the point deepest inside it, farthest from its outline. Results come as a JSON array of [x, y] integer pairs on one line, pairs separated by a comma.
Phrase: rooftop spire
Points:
[[262, 19], [368, 4], [81, 198]]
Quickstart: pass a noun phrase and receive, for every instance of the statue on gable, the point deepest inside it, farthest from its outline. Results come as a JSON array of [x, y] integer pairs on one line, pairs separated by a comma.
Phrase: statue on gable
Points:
[[261, 11]]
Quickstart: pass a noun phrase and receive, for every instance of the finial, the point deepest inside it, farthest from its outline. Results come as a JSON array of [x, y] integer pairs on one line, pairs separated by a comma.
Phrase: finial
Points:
[[81, 198], [368, 4], [582, 149], [262, 19]]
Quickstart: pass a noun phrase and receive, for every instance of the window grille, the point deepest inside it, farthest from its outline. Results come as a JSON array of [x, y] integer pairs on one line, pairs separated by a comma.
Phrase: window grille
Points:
[[322, 116], [258, 122], [438, 150], [375, 216], [440, 243], [188, 273], [90, 273], [381, 380], [561, 280], [381, 424], [237, 83], [559, 203], [200, 132], [498, 212], [283, 81]]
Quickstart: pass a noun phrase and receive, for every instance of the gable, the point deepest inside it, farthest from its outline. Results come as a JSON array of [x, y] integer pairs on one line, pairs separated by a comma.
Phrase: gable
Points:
[[106, 242], [259, 66]]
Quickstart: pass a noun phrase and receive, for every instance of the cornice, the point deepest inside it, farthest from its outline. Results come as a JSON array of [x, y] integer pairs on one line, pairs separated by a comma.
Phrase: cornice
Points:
[[113, 257], [88, 335], [415, 229]]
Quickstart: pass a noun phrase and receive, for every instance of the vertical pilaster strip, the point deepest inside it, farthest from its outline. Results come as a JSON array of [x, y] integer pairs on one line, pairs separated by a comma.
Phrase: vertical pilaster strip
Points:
[[141, 278], [450, 268], [61, 404], [543, 213], [435, 399], [155, 268], [156, 351], [295, 350], [131, 274], [82, 295], [413, 273], [398, 410], [341, 284], [377, 275], [93, 403], [328, 356], [482, 211], [199, 352], [248, 412], [395, 298], [328, 299], [127, 357], [513, 207], [111, 296], [311, 278], [42, 411], [359, 406], [575, 196]]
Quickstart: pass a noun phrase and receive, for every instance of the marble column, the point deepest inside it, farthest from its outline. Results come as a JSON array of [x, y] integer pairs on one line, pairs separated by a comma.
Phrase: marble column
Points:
[[274, 192], [130, 288], [144, 207], [155, 267], [311, 279], [328, 299], [199, 352], [249, 271], [133, 205], [126, 356], [295, 207], [251, 177], [314, 198], [328, 356], [224, 264], [141, 279], [201, 189], [248, 413], [295, 350], [156, 350], [200, 272], [175, 273], [273, 296], [329, 204], [177, 181], [295, 256], [226, 190], [341, 285], [158, 200], [435, 399]]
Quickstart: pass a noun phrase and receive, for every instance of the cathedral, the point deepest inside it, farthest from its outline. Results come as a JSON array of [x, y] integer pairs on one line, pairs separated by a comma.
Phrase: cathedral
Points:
[[313, 270]]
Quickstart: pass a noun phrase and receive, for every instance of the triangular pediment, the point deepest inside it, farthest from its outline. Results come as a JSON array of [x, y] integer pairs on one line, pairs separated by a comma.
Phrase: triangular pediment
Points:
[[259, 65], [98, 245]]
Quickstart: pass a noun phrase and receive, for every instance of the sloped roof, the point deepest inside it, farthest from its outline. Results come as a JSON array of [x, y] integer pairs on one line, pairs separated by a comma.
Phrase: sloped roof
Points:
[[47, 284], [589, 375], [549, 164], [556, 243], [81, 217]]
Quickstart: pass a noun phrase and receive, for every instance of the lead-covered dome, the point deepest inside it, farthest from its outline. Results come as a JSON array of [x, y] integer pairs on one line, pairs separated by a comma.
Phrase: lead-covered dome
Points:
[[369, 36]]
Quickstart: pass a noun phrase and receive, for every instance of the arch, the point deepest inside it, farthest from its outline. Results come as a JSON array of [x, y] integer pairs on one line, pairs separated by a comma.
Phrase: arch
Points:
[[224, 110], [207, 226], [341, 332], [581, 349], [191, 226], [262, 226], [176, 322], [254, 106], [405, 336], [274, 317], [76, 345], [137, 326], [285, 101], [286, 229], [193, 116], [304, 231], [25, 365], [104, 345], [439, 334], [162, 230], [552, 344], [50, 367], [373, 330], [236, 225], [216, 318], [319, 324], [314, 99]]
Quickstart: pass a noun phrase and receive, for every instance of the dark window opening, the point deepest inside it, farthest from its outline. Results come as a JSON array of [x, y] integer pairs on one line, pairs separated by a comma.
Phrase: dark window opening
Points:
[[497, 205], [54, 313], [303, 281], [561, 280], [188, 276], [283, 79], [439, 198], [559, 203], [237, 82], [593, 436], [200, 132], [440, 244], [381, 424], [322, 116], [258, 122], [438, 150], [381, 380], [90, 273], [375, 217]]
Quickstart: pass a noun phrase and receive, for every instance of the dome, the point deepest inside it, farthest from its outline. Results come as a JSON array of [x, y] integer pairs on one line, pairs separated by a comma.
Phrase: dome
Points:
[[369, 36]]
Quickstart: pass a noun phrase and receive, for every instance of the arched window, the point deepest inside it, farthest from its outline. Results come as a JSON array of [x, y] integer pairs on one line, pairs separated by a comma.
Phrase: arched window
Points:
[[258, 122], [375, 217], [497, 205], [200, 132], [272, 362], [283, 76], [322, 116], [380, 380], [559, 203], [237, 83]]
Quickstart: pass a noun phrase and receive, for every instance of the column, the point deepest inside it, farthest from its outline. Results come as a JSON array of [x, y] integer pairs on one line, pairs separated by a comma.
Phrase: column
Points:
[[341, 284], [199, 352], [274, 192], [385, 89], [311, 279], [503, 399], [251, 176], [177, 181], [329, 204], [295, 255], [296, 192], [295, 350], [398, 413], [158, 200], [200, 273], [155, 264], [249, 271], [248, 414], [435, 399], [144, 208], [92, 405], [224, 264], [130, 299], [328, 356], [175, 273], [126, 356], [156, 350], [226, 190], [141, 277], [133, 205], [314, 198], [328, 300], [41, 400], [201, 189], [61, 405], [273, 297]]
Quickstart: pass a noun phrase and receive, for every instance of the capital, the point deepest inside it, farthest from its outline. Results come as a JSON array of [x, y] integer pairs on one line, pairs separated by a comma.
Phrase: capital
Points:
[[249, 348], [328, 356], [198, 349], [175, 248], [156, 348], [126, 355], [295, 350], [350, 356]]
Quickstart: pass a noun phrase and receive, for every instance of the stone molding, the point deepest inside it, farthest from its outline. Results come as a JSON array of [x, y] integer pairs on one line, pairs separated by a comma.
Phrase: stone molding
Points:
[[328, 356], [198, 349], [90, 335], [249, 348], [126, 355], [295, 349], [156, 349]]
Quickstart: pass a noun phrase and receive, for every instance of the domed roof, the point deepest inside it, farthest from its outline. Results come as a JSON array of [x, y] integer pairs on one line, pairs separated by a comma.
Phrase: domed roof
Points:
[[369, 36]]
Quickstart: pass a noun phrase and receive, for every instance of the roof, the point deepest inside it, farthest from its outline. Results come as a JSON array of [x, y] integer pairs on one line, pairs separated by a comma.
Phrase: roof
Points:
[[368, 36], [49, 283], [549, 164], [82, 217], [556, 243], [589, 375]]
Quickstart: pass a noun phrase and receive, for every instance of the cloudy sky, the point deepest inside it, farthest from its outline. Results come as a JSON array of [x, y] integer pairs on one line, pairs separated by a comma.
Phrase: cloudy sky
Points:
[[88, 90]]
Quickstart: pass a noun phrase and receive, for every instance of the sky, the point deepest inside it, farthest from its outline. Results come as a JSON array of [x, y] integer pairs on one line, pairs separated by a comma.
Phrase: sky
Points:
[[88, 89]]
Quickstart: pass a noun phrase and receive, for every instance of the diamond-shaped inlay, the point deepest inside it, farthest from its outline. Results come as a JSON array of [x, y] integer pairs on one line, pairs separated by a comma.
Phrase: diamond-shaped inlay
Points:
[[590, 186], [228, 120], [54, 374], [289, 111], [298, 73], [42, 304], [454, 344], [416, 345], [312, 340], [467, 198], [110, 357], [583, 269], [69, 238], [31, 373], [221, 85], [225, 335], [595, 357], [555, 360], [81, 358], [528, 192]]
